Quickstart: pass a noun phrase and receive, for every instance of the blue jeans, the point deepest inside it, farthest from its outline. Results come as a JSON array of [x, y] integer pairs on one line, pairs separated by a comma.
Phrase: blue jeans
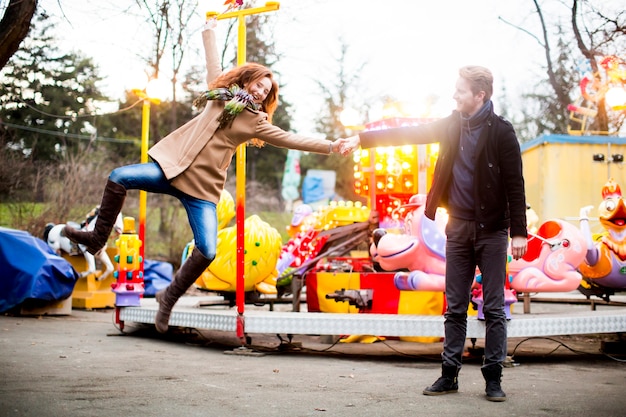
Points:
[[201, 214], [467, 247]]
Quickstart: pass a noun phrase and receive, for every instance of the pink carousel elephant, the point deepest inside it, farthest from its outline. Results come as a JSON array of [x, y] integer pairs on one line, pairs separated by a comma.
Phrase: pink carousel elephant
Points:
[[552, 259], [421, 250], [550, 264]]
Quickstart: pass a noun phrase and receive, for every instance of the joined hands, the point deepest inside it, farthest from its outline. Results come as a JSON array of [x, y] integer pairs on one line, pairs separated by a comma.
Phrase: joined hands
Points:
[[348, 145]]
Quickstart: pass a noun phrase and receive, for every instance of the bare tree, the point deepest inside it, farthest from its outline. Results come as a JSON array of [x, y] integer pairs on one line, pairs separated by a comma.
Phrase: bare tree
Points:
[[182, 14], [594, 43], [170, 23], [596, 36], [337, 98]]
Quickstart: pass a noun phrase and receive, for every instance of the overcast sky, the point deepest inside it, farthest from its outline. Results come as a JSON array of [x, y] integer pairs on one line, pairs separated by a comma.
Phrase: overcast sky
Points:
[[411, 49]]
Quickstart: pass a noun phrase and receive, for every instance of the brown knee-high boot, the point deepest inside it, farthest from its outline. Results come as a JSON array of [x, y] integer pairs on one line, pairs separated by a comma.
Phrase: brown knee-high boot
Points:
[[112, 202], [189, 271]]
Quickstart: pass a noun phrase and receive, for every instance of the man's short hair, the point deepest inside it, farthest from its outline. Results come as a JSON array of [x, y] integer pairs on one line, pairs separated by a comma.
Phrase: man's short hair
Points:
[[480, 79]]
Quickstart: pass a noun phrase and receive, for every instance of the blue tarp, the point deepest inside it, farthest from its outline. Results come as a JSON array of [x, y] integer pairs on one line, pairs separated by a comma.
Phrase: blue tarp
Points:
[[312, 189], [29, 269], [156, 276]]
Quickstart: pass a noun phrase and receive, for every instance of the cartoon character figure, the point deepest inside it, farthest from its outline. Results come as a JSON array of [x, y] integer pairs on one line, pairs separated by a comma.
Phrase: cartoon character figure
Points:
[[420, 250], [551, 262], [510, 295], [303, 220], [605, 261]]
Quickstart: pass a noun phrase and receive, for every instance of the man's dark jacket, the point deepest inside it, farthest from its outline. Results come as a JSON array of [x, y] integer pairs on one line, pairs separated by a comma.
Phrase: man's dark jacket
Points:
[[498, 180]]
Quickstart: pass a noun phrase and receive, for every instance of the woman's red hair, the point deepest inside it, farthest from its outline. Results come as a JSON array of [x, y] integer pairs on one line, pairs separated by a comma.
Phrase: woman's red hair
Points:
[[247, 74]]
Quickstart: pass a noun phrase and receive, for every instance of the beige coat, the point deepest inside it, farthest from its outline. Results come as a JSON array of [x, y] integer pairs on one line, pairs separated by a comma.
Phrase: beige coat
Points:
[[196, 156]]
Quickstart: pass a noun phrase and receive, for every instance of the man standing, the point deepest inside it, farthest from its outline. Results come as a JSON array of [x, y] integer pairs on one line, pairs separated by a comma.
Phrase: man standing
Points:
[[478, 179]]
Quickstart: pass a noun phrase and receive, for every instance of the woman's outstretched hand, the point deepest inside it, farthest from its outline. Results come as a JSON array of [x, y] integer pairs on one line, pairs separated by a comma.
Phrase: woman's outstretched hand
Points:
[[210, 24]]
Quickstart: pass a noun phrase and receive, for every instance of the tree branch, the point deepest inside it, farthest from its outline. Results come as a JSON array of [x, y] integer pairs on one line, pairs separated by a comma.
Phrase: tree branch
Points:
[[14, 27]]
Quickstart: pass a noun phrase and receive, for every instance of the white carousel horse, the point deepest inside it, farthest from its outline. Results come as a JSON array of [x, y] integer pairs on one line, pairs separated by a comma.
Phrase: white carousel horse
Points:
[[60, 243]]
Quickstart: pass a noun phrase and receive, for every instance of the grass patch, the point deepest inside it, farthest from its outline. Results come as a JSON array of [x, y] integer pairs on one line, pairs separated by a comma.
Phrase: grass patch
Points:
[[13, 215]]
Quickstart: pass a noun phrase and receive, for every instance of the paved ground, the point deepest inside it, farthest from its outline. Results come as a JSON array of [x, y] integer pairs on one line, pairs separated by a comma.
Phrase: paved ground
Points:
[[81, 365]]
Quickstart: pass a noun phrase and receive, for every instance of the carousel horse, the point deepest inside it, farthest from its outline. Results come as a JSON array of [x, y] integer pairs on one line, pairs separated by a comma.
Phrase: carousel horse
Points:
[[59, 243]]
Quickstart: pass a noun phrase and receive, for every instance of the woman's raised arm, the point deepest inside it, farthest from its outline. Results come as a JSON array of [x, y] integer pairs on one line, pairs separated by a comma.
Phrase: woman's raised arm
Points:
[[214, 69]]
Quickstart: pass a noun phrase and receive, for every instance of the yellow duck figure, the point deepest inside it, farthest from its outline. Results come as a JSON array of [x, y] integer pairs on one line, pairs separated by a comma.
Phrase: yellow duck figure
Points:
[[605, 262]]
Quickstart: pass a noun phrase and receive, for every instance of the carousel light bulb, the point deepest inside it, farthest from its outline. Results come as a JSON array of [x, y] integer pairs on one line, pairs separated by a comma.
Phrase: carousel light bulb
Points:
[[349, 117], [616, 98], [158, 88]]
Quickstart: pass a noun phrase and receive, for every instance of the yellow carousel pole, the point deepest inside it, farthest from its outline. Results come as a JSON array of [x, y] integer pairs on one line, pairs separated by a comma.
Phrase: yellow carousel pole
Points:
[[240, 203], [143, 196], [145, 139]]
